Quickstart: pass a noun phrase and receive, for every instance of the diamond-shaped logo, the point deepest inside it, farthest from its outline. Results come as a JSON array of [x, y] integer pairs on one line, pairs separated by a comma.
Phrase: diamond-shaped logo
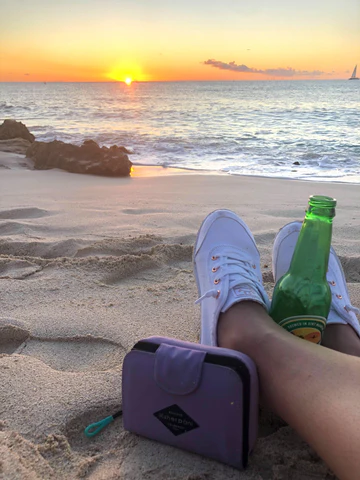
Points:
[[176, 420]]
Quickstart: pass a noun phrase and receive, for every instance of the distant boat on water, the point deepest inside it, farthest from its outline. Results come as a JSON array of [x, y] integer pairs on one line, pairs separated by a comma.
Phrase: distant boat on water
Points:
[[353, 76]]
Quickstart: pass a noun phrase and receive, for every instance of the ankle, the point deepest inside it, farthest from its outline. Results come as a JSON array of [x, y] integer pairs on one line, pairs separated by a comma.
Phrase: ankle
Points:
[[342, 338], [243, 325]]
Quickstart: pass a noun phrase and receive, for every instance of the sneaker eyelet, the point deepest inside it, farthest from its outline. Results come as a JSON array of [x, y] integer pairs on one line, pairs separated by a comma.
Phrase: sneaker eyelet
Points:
[[214, 257], [216, 281], [339, 296], [218, 294], [332, 283], [214, 269], [253, 266]]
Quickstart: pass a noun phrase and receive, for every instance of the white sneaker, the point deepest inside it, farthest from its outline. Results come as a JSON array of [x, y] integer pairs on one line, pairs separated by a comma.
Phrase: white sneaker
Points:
[[341, 310], [227, 269]]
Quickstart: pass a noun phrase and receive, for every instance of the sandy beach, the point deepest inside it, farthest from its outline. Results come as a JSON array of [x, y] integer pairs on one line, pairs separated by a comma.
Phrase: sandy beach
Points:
[[90, 265]]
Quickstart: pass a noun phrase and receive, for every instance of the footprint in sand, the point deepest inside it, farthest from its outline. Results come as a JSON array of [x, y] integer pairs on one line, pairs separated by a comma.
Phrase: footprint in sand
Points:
[[168, 259], [12, 335], [17, 269], [11, 220], [75, 354], [140, 211], [12, 228], [21, 213], [72, 354]]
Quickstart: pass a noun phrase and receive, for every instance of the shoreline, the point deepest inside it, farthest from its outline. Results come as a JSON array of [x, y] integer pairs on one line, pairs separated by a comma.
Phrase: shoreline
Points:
[[9, 160], [142, 169]]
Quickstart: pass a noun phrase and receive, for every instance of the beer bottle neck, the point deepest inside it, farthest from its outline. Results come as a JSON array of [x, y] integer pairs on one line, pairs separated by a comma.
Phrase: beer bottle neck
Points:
[[311, 255]]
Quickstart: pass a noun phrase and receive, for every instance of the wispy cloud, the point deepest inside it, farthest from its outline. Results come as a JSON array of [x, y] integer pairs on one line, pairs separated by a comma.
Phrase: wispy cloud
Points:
[[275, 72]]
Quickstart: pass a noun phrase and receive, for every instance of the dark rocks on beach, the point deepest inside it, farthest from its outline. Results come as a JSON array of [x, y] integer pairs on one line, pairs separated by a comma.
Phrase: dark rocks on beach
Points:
[[13, 129], [122, 149], [89, 158], [15, 145], [296, 163]]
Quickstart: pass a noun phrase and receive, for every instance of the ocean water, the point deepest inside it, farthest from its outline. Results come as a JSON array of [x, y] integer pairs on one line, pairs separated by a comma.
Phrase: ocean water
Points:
[[242, 128]]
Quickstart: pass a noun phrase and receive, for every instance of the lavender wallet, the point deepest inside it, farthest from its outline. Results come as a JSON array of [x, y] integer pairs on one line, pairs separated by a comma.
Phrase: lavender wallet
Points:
[[194, 397]]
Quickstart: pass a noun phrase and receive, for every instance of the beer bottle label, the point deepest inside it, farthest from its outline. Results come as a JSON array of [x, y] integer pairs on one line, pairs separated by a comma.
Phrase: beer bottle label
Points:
[[308, 327]]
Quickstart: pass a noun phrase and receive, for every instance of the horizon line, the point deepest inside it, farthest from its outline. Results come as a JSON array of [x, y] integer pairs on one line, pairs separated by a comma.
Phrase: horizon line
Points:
[[180, 81]]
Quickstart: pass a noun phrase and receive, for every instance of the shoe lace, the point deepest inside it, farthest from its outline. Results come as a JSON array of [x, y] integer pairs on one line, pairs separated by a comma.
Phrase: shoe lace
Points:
[[351, 308], [240, 270], [348, 307]]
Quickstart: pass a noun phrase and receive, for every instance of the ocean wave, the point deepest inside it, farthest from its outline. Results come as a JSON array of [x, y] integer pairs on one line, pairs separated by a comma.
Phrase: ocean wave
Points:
[[5, 107], [256, 128]]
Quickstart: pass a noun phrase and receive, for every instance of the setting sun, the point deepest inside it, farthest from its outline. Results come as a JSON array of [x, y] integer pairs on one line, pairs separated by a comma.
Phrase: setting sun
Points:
[[127, 71]]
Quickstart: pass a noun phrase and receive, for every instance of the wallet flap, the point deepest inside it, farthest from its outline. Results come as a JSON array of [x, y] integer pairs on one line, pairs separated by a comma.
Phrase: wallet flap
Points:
[[177, 370]]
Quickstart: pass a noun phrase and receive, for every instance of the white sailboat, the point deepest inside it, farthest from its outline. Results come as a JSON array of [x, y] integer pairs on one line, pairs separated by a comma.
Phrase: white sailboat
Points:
[[353, 76]]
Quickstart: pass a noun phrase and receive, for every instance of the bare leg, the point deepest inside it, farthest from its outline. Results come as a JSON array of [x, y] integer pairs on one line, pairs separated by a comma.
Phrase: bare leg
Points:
[[315, 390], [342, 338]]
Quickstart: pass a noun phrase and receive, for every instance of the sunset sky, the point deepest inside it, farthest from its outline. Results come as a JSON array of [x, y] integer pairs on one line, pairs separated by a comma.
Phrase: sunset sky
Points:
[[164, 40]]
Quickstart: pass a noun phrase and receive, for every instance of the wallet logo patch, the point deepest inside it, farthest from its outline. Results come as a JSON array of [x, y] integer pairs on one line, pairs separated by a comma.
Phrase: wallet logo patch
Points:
[[176, 420]]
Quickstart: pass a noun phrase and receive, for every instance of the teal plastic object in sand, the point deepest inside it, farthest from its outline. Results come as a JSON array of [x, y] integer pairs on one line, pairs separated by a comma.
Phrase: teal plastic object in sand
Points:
[[96, 427]]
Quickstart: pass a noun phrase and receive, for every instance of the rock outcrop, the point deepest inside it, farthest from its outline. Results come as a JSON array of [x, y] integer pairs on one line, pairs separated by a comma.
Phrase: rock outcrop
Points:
[[15, 145], [13, 129], [89, 158]]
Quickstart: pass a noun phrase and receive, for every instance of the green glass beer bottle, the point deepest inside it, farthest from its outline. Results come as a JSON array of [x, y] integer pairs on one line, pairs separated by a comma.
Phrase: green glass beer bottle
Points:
[[302, 297]]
